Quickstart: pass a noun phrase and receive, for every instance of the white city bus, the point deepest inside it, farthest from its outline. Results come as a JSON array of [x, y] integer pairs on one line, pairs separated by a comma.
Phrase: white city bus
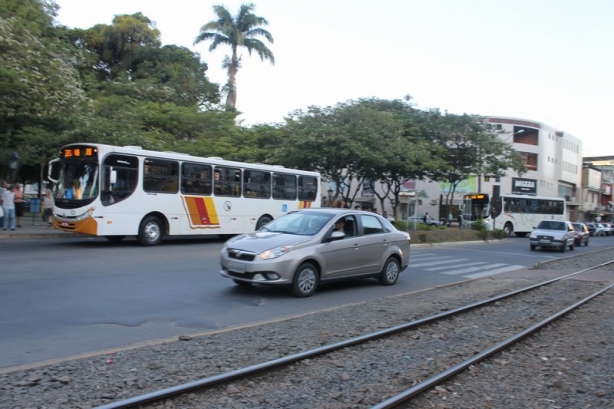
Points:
[[114, 191], [517, 214]]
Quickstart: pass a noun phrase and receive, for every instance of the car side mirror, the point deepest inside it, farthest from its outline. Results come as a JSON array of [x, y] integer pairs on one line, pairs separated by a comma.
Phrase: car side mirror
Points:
[[337, 235]]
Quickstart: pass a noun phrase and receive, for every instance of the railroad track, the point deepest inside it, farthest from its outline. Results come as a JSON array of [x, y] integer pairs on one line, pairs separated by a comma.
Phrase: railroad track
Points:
[[338, 368]]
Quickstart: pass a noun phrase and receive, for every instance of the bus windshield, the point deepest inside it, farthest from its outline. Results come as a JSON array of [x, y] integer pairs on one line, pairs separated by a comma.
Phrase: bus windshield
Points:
[[78, 181], [476, 207]]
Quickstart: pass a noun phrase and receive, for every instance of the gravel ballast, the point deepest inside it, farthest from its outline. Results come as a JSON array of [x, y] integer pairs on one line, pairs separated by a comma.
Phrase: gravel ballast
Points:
[[570, 364]]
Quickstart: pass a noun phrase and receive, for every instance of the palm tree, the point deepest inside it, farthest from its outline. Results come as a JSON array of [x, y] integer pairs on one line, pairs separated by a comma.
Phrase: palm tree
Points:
[[236, 31]]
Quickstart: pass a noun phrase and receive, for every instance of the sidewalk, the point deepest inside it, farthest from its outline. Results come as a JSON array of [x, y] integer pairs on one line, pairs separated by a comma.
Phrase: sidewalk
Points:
[[34, 228]]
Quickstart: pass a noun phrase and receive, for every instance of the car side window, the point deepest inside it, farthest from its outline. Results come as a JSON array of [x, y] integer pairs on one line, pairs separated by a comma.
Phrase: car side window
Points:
[[370, 224]]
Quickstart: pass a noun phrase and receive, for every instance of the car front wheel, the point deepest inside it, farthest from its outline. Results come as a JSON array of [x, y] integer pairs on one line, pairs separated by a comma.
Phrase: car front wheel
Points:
[[305, 280], [390, 272]]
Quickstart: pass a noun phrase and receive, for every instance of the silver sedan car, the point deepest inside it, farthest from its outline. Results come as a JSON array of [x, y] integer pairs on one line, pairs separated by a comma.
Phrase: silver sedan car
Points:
[[311, 246]]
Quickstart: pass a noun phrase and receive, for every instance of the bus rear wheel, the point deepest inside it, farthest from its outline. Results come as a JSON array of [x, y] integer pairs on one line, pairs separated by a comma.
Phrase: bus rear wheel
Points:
[[508, 229], [151, 231]]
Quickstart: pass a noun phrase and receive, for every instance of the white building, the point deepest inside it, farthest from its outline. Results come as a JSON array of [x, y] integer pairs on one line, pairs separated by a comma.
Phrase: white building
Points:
[[554, 163]]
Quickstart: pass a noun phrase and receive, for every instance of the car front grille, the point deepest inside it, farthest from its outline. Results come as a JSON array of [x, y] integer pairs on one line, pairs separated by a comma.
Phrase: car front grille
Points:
[[246, 276], [242, 255], [544, 237]]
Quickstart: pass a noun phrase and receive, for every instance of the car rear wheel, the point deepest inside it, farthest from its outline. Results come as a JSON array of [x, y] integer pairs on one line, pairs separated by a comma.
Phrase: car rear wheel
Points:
[[571, 247], [305, 280], [390, 272], [586, 243]]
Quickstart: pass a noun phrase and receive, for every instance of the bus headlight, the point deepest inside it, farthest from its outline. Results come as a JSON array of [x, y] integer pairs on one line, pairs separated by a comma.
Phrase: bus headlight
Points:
[[87, 214]]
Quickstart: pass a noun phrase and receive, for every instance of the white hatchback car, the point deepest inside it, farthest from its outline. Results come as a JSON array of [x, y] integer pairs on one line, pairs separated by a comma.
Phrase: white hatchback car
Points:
[[311, 246], [430, 221], [553, 234]]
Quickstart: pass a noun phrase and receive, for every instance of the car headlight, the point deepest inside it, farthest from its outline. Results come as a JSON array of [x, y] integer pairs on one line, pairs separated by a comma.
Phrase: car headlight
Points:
[[274, 253]]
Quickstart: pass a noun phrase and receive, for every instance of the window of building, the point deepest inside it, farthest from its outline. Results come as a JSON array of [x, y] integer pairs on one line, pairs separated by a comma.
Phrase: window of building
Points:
[[530, 160], [527, 136]]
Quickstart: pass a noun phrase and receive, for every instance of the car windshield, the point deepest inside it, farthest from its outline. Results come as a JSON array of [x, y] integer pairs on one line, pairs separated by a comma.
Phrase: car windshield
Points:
[[550, 225], [577, 226], [305, 224]]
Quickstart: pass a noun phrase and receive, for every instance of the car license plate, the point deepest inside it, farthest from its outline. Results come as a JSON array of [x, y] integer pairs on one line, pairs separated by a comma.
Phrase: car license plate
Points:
[[236, 267], [544, 241]]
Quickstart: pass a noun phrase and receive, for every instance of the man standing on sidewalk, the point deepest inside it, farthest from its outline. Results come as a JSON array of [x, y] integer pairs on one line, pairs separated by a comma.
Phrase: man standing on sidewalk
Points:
[[3, 187], [8, 206]]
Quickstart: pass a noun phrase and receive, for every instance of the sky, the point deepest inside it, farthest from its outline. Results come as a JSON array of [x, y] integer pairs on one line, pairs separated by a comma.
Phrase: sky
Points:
[[550, 61]]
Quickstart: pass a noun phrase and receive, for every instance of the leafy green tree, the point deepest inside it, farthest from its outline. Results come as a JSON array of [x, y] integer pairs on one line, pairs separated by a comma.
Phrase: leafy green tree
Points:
[[112, 48], [405, 153], [41, 93], [470, 147], [238, 31], [178, 69]]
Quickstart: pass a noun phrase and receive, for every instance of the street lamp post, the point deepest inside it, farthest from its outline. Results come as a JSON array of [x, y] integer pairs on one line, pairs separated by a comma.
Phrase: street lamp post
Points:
[[13, 166], [330, 197]]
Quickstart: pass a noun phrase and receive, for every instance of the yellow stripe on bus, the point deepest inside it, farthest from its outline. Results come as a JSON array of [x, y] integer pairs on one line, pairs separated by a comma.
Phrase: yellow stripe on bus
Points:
[[201, 211]]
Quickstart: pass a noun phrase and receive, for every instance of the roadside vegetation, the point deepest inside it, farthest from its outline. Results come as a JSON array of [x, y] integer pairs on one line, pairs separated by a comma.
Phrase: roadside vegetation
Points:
[[421, 233]]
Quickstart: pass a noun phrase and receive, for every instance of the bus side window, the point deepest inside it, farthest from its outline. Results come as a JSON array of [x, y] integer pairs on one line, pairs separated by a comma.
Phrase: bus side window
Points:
[[256, 184], [227, 181], [196, 179], [307, 188], [161, 176]]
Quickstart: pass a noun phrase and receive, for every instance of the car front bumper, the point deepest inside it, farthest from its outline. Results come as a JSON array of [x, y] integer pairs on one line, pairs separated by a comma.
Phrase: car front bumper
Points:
[[548, 243]]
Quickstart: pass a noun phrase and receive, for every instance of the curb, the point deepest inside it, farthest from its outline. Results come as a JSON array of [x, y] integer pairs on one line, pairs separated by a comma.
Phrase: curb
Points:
[[25, 236]]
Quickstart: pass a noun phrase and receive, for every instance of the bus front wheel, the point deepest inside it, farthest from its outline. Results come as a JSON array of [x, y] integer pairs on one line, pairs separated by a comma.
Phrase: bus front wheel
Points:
[[263, 221], [151, 231]]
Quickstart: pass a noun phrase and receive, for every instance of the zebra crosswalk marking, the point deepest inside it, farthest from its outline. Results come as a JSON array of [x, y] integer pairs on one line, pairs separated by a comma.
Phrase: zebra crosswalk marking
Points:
[[477, 263], [477, 269], [496, 271], [472, 269], [430, 263]]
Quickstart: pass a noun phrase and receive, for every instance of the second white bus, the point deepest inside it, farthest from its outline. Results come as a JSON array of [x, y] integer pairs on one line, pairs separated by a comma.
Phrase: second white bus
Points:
[[517, 214]]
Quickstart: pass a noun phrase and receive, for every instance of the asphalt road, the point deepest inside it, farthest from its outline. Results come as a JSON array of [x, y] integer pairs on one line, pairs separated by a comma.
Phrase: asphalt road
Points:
[[61, 297]]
